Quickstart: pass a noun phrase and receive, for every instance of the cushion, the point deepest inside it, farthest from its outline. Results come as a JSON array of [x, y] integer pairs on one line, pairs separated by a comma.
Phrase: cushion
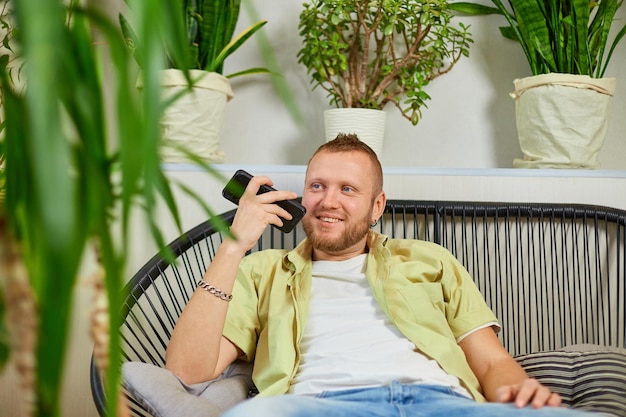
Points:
[[163, 394], [588, 377]]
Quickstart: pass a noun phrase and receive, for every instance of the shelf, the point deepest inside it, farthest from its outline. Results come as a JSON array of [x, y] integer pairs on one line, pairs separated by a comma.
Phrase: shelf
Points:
[[429, 172]]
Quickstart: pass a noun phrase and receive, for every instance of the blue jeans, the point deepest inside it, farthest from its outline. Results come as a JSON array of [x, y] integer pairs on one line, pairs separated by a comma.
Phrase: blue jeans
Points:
[[401, 400]]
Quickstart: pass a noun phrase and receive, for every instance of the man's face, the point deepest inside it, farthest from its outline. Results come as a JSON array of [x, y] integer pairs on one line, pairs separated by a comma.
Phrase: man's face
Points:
[[339, 198]]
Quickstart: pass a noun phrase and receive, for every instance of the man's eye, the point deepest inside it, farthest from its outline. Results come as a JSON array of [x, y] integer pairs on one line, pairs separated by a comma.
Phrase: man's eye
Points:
[[316, 186], [347, 189]]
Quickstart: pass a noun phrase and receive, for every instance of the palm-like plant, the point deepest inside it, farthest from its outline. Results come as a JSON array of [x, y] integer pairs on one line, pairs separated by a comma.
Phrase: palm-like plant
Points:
[[561, 36], [66, 189]]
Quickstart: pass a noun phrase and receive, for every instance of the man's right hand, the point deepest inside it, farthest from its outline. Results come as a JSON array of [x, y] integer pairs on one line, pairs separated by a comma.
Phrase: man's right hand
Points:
[[256, 212]]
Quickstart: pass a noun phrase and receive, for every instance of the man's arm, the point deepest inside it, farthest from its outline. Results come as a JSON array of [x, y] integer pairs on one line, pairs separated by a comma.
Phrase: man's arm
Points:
[[197, 351], [500, 376]]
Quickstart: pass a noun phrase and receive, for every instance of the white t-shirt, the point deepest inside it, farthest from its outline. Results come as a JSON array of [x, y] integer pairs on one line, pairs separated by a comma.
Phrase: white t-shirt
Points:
[[350, 342]]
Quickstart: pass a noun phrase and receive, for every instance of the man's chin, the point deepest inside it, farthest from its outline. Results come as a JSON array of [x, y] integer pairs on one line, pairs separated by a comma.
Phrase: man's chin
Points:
[[332, 236], [328, 227]]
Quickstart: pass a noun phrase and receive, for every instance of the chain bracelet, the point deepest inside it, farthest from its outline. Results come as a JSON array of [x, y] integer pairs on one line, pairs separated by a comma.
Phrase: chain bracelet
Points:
[[215, 291]]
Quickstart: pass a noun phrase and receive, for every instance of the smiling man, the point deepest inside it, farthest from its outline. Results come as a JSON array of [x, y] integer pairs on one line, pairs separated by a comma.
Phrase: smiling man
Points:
[[341, 206], [351, 322]]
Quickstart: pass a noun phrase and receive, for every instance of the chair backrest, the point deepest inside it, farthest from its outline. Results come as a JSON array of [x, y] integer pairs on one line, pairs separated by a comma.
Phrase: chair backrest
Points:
[[553, 274]]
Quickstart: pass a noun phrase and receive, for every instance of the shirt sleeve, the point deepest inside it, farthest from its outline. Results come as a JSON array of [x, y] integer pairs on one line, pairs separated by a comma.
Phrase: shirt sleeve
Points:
[[466, 309], [242, 322]]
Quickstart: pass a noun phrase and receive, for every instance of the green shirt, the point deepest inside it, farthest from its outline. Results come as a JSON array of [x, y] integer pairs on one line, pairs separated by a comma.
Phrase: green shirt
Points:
[[423, 289]]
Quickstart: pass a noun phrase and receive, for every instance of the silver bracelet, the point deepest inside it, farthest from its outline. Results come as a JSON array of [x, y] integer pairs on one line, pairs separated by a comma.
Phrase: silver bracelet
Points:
[[215, 291]]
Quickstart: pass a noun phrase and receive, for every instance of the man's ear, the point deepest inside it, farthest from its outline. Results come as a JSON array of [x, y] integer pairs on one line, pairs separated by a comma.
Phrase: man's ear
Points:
[[379, 206]]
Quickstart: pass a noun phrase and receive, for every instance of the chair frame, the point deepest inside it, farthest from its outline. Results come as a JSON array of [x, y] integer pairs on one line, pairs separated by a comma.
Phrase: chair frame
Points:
[[538, 266]]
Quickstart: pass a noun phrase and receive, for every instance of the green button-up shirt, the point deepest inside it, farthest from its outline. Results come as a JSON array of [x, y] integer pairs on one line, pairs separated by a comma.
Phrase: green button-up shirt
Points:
[[423, 289]]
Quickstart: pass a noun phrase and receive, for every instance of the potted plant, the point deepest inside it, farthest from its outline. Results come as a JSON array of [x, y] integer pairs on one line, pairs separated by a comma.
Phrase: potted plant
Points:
[[66, 190], [369, 54], [194, 81], [561, 110]]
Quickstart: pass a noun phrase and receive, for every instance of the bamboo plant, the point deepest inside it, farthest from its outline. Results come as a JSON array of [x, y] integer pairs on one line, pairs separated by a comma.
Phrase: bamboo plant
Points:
[[560, 36], [64, 189]]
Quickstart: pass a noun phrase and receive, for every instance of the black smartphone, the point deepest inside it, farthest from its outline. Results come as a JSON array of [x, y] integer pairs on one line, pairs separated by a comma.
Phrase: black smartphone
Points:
[[236, 186]]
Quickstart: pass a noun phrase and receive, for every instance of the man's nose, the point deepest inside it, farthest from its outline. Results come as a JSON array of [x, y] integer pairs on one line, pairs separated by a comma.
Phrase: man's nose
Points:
[[330, 199]]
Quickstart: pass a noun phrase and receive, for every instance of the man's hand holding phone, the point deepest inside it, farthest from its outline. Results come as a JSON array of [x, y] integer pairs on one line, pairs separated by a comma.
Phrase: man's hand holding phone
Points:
[[261, 204]]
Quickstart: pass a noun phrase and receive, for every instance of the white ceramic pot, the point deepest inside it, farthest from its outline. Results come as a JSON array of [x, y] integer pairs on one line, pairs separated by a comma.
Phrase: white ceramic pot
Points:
[[561, 120], [367, 124]]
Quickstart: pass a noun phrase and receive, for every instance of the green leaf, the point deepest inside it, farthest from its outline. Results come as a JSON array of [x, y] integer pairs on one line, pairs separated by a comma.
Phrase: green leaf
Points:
[[509, 33], [233, 45], [534, 33], [131, 39], [579, 50], [473, 9], [169, 18], [250, 71], [617, 39]]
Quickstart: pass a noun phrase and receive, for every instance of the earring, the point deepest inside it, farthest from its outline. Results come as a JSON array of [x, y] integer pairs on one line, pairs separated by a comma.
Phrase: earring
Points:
[[374, 223]]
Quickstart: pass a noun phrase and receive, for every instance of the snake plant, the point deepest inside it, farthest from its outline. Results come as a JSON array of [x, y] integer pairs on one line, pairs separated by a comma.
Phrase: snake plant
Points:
[[209, 26], [561, 36]]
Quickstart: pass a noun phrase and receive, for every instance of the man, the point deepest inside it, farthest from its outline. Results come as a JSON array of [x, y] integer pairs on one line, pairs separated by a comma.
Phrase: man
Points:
[[350, 323]]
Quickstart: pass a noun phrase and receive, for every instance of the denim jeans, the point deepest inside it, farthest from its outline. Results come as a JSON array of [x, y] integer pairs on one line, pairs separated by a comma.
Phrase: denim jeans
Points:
[[395, 400]]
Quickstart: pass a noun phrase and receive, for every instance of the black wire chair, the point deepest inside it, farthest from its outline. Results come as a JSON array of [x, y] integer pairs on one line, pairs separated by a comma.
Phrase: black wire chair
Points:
[[553, 274]]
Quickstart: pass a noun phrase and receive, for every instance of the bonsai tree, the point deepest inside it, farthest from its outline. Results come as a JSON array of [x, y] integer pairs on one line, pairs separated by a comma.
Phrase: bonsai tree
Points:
[[366, 54], [560, 36]]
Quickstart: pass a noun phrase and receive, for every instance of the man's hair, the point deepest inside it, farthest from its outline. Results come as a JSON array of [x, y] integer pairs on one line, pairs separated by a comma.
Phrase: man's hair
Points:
[[349, 142]]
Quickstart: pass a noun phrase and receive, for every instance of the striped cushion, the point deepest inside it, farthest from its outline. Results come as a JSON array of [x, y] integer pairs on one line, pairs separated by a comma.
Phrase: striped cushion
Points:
[[587, 377]]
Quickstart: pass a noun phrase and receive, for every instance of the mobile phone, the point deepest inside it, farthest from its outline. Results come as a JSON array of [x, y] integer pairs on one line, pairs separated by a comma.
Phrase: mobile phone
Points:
[[236, 186]]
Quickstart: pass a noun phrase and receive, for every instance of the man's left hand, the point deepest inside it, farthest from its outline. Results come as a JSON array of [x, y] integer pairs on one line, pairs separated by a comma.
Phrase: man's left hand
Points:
[[528, 392]]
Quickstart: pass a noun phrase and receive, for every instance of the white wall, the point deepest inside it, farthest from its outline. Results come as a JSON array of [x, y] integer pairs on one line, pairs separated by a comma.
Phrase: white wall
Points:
[[469, 123]]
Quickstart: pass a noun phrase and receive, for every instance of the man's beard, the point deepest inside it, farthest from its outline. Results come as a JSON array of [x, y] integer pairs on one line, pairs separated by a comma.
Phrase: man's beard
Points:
[[352, 235]]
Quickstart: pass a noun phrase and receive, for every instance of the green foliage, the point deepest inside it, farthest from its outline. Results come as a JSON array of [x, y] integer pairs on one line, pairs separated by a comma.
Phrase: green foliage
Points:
[[7, 55], [8, 30], [367, 54], [65, 187], [562, 36], [209, 26]]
